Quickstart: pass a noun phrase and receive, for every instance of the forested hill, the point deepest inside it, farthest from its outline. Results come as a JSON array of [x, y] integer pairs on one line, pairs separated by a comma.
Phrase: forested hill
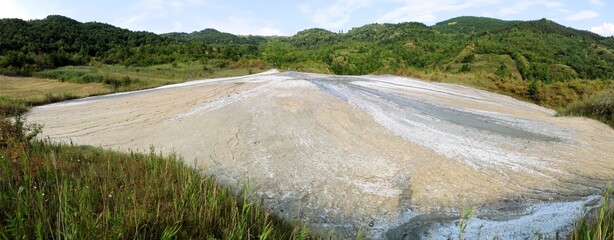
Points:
[[472, 25], [213, 36], [539, 50]]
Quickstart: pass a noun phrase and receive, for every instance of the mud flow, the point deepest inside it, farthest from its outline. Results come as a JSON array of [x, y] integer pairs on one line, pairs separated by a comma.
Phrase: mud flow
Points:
[[396, 157]]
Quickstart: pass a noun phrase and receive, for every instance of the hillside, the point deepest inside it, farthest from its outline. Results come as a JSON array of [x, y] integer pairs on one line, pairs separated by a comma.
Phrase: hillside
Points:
[[537, 60], [30, 46], [542, 49], [547, 51], [471, 25], [213, 36]]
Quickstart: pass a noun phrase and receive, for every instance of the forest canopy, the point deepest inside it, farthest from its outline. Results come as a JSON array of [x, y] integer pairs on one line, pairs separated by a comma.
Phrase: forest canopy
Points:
[[541, 50]]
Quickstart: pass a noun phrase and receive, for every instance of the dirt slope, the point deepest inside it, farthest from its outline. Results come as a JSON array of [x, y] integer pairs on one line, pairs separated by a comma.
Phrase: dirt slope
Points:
[[394, 156]]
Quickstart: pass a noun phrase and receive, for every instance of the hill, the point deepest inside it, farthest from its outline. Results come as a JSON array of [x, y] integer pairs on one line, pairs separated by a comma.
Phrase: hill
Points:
[[315, 37], [55, 41], [213, 36], [546, 51], [511, 57], [471, 25]]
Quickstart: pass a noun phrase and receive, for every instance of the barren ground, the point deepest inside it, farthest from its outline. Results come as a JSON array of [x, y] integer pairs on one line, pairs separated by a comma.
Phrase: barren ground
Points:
[[394, 156]]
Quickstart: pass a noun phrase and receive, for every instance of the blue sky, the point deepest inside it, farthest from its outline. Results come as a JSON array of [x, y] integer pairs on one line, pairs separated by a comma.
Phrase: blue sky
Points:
[[268, 17]]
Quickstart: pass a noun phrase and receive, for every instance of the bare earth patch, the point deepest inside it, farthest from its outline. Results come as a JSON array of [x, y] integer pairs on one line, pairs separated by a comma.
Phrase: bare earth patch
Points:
[[394, 156]]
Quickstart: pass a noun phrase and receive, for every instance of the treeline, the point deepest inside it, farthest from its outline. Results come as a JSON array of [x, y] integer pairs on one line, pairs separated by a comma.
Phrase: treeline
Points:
[[541, 50], [30, 46]]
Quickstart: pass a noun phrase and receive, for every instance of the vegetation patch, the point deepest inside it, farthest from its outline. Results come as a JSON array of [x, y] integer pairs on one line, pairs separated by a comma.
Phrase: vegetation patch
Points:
[[600, 107], [598, 225]]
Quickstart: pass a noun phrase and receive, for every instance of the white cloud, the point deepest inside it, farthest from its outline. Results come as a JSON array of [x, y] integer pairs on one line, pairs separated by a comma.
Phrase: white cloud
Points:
[[242, 25], [605, 29], [334, 16], [267, 31], [426, 11], [522, 5], [153, 15], [597, 2], [28, 10], [131, 22], [582, 15], [10, 10]]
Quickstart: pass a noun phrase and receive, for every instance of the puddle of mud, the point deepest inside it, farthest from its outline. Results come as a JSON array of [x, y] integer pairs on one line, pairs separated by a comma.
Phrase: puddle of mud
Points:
[[536, 221]]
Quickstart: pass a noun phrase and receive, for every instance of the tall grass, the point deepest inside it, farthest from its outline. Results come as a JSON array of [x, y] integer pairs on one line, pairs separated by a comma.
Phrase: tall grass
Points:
[[57, 191], [601, 225], [600, 107]]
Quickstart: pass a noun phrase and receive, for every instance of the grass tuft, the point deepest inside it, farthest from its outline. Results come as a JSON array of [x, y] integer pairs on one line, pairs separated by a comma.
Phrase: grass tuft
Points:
[[601, 225]]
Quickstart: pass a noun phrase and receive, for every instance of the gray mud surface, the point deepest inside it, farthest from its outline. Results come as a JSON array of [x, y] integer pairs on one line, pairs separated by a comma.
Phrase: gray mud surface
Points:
[[394, 156]]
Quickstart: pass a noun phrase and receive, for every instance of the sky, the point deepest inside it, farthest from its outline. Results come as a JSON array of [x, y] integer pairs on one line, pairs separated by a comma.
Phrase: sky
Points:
[[285, 18]]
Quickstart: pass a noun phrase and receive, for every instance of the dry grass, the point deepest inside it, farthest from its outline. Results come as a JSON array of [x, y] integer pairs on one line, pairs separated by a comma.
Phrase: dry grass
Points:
[[39, 88], [122, 78]]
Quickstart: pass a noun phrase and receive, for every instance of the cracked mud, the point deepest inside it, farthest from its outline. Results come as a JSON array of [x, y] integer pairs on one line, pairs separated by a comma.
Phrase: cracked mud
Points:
[[394, 156]]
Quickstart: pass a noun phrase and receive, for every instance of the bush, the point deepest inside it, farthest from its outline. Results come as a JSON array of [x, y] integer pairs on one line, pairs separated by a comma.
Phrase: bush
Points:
[[91, 78], [11, 107], [468, 58], [465, 68], [600, 107]]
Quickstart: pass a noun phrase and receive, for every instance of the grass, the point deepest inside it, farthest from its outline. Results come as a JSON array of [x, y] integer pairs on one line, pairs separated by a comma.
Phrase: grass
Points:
[[55, 191], [123, 78], [600, 107], [65, 83], [36, 91], [601, 225]]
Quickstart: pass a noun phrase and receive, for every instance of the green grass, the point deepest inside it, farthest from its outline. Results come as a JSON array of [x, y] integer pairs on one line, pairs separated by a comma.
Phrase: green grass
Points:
[[598, 226], [123, 78], [600, 107], [56, 191]]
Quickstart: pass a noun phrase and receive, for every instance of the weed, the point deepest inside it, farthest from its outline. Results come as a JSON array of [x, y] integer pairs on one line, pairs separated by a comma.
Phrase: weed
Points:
[[599, 227], [465, 218]]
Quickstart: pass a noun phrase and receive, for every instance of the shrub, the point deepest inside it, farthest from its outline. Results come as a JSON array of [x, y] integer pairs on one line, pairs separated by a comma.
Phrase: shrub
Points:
[[600, 107]]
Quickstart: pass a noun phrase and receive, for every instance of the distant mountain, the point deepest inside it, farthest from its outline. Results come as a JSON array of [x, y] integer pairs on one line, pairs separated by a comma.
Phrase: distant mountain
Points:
[[389, 33], [314, 37], [472, 25], [530, 50], [213, 36]]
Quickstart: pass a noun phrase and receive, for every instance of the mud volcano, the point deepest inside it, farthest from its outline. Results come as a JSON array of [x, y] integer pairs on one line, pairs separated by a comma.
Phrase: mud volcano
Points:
[[394, 156]]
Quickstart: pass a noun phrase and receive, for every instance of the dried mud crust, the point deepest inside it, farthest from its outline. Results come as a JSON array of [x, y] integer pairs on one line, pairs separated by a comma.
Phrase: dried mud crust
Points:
[[371, 152]]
